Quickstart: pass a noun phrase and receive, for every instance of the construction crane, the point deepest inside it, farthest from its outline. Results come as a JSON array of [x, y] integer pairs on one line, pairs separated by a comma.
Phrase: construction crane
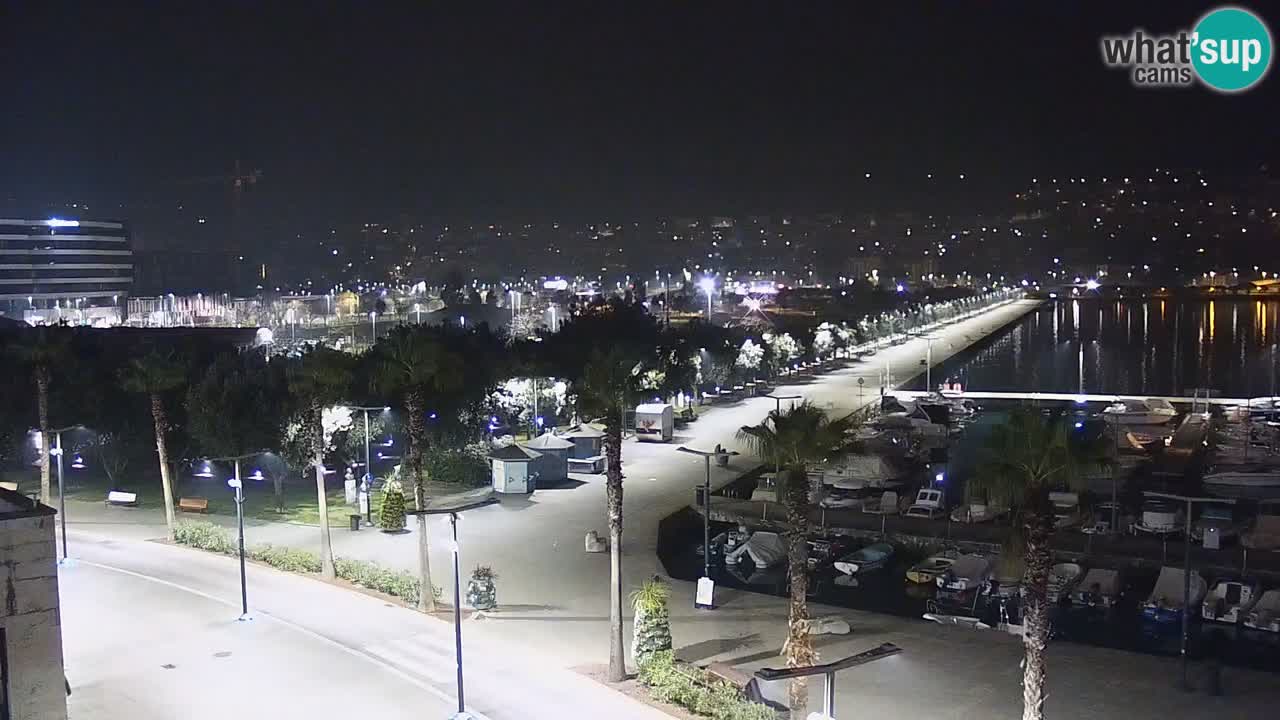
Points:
[[236, 182]]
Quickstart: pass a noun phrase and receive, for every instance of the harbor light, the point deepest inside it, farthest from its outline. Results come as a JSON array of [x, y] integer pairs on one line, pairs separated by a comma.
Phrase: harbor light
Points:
[[1092, 285]]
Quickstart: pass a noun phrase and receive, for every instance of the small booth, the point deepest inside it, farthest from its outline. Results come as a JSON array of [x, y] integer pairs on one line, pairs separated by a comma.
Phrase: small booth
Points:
[[588, 442], [655, 422], [553, 464], [512, 469]]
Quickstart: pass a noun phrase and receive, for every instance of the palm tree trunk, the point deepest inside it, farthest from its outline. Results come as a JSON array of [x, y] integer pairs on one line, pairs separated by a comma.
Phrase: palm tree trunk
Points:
[[613, 494], [413, 405], [322, 500], [162, 452], [46, 442], [799, 645], [1038, 528]]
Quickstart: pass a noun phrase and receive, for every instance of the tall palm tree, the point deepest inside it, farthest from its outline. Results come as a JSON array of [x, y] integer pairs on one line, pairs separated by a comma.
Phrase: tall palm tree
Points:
[[43, 350], [154, 375], [320, 378], [1024, 460], [409, 363], [608, 378], [794, 439]]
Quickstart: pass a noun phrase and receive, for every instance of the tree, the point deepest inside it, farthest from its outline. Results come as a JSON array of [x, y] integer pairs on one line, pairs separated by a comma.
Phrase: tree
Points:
[[407, 364], [320, 378], [652, 619], [1024, 460], [795, 438], [154, 375], [391, 514], [44, 351]]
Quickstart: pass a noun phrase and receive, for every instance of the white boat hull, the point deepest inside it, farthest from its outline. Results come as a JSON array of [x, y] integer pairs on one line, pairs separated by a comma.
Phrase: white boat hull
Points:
[[1244, 479]]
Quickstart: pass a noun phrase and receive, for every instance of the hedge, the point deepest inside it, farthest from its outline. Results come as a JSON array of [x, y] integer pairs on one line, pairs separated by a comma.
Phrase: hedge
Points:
[[695, 691]]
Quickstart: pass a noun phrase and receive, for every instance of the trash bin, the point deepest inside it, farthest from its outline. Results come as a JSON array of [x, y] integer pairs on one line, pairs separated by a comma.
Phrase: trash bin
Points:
[[355, 522]]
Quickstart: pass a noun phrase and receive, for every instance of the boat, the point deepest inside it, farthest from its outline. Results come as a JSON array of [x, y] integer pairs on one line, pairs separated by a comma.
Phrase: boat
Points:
[[1165, 604], [1265, 533], [1216, 520], [886, 504], [929, 504], [1062, 580], [972, 623], [1066, 509], [1265, 614], [1159, 518], [860, 472], [1229, 601], [928, 571], [1132, 411], [967, 573], [975, 513], [825, 551], [840, 501], [1099, 588], [1244, 476], [764, 549], [868, 559]]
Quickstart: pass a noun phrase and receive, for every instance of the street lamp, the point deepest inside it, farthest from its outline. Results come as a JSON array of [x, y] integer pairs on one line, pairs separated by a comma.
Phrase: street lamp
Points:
[[78, 463], [705, 597], [451, 505], [928, 365], [367, 480], [236, 484]]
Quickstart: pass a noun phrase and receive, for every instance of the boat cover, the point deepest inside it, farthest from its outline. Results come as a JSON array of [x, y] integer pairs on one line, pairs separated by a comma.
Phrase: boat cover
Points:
[[1168, 590], [765, 549]]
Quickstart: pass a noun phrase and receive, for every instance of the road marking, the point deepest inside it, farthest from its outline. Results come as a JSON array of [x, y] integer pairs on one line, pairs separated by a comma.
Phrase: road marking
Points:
[[389, 667]]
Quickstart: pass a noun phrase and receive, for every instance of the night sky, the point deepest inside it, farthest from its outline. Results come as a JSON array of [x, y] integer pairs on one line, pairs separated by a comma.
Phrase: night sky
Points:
[[360, 109]]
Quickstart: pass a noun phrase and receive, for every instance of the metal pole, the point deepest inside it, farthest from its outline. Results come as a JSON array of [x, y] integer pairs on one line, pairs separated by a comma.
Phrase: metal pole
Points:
[[829, 696], [1114, 507], [928, 366], [706, 520], [244, 591], [1186, 594], [368, 474], [62, 495], [457, 611]]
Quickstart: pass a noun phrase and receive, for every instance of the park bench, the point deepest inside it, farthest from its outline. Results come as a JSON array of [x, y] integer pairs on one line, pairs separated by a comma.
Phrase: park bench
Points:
[[193, 504], [122, 499]]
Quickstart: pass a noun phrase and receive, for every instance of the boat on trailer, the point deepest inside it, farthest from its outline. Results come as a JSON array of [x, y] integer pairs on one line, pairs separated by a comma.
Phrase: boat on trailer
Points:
[[1229, 601]]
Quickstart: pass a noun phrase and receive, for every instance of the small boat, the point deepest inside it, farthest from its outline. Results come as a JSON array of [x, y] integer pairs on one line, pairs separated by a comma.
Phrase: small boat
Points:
[[972, 623], [1244, 476], [975, 513], [825, 551], [1100, 588], [1229, 601], [929, 504], [1159, 518], [1165, 603], [840, 501], [928, 571], [765, 549], [1132, 411], [1062, 580], [967, 573], [1265, 614], [868, 559]]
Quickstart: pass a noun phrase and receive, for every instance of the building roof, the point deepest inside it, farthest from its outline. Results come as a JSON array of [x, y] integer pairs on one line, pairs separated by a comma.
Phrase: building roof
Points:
[[585, 431], [548, 441], [514, 453], [653, 408], [15, 505]]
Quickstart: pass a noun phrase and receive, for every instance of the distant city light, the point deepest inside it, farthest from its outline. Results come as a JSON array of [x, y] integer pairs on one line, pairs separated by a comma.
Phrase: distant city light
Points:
[[59, 222], [1092, 284]]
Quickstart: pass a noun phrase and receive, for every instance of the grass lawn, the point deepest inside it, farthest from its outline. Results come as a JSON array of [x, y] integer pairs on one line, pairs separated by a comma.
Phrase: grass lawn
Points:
[[259, 496]]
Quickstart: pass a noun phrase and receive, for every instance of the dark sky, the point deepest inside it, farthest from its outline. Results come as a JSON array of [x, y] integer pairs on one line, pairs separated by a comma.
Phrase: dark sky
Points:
[[355, 109]]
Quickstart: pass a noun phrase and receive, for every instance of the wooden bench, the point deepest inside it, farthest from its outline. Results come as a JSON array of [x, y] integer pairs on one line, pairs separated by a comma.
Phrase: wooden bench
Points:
[[120, 498], [193, 504]]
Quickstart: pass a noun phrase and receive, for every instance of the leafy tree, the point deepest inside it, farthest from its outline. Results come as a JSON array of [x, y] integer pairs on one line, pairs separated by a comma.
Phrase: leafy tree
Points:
[[44, 352], [155, 375], [1024, 460], [407, 365], [794, 439], [237, 409]]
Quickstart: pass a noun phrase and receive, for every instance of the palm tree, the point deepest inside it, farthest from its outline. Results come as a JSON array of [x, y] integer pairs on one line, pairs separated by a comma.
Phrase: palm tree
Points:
[[1025, 459], [42, 350], [409, 363], [153, 375], [794, 439], [321, 378]]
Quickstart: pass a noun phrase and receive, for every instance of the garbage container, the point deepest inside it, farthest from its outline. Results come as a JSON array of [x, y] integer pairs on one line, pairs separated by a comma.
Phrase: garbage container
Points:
[[355, 522]]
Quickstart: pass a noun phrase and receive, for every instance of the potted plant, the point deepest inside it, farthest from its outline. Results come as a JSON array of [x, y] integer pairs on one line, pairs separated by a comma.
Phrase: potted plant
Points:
[[652, 619], [482, 594], [391, 515]]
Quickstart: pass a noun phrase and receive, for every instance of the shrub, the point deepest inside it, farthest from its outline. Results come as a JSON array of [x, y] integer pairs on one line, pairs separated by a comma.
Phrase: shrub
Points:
[[467, 467], [652, 619], [373, 576], [204, 535], [694, 690], [391, 515], [287, 559], [482, 593]]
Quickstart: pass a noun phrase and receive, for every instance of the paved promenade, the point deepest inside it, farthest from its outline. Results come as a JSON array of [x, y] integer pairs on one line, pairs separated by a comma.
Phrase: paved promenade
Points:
[[554, 597]]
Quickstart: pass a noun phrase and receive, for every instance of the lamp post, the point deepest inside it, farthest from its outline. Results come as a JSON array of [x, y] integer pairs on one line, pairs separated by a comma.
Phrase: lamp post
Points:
[[56, 452], [367, 480], [1186, 568], [705, 597], [452, 505], [236, 484]]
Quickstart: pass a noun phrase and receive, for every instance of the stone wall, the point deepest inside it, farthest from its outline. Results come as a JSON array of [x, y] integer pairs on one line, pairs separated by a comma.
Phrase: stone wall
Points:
[[29, 615]]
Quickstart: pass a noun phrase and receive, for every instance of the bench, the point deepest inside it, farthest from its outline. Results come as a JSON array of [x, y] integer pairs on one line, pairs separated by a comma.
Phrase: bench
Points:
[[589, 466], [193, 504], [120, 498], [10, 486]]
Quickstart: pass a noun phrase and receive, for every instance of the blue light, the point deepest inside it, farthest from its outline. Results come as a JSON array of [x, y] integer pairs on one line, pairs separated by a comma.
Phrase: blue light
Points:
[[900, 288], [1079, 424], [432, 416], [939, 477], [59, 222], [539, 420]]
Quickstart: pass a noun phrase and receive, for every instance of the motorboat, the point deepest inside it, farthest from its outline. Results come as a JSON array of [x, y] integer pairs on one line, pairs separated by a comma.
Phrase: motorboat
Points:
[[886, 504], [1265, 533], [1066, 509], [1265, 614], [1165, 603], [975, 513], [840, 501], [1098, 588], [764, 549], [1132, 411], [929, 504], [1159, 518], [1244, 476], [1062, 580], [868, 559], [1216, 520], [928, 571], [967, 573], [972, 623], [1229, 601], [860, 472], [825, 551]]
